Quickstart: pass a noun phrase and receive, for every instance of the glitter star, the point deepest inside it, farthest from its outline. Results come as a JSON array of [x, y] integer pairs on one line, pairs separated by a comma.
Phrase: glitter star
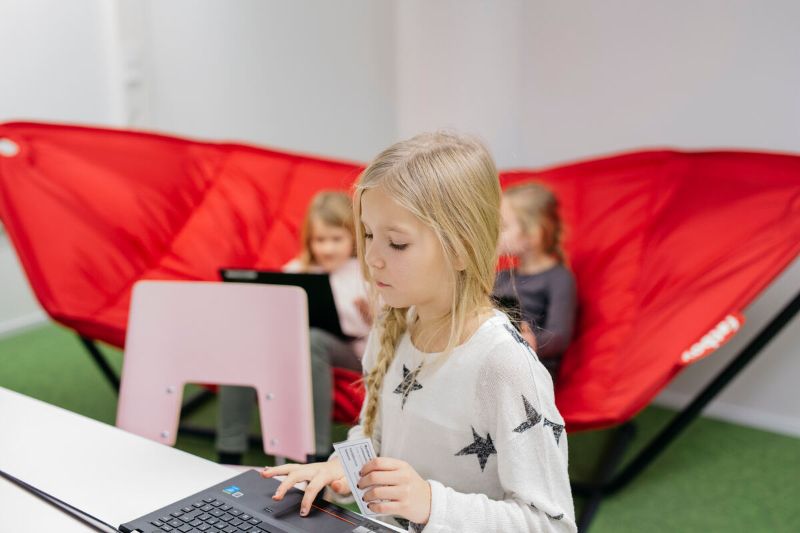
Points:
[[409, 383], [533, 417], [557, 428], [483, 448]]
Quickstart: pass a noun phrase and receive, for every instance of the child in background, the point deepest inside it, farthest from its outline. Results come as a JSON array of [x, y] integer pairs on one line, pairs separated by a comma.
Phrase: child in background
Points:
[[328, 245], [459, 410], [543, 285]]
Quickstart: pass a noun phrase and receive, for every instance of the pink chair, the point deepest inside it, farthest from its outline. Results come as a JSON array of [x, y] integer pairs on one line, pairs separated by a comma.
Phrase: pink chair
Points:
[[183, 332]]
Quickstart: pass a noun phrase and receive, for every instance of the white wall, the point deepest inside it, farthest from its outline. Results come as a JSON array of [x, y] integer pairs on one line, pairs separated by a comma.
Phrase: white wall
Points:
[[460, 65], [546, 82], [313, 76], [54, 61], [18, 309], [612, 75]]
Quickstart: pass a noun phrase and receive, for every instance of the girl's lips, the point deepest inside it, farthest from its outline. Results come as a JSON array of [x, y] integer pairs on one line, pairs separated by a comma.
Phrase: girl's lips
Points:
[[381, 285]]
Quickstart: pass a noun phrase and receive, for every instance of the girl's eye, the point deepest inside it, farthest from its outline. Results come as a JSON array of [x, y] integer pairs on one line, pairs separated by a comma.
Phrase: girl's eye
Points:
[[398, 246], [367, 235]]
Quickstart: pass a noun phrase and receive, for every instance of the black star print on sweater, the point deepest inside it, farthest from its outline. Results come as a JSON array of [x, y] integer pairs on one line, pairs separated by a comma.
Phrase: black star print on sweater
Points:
[[551, 517], [409, 383], [557, 428], [483, 448], [533, 417]]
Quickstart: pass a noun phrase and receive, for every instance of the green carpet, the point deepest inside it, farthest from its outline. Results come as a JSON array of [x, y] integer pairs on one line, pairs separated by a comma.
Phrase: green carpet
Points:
[[715, 477]]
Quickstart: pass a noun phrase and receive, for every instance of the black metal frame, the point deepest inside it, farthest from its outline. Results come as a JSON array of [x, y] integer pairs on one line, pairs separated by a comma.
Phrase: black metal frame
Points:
[[608, 481], [100, 360]]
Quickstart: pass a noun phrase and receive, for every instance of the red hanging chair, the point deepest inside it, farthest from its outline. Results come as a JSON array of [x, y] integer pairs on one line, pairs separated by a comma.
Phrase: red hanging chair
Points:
[[668, 247]]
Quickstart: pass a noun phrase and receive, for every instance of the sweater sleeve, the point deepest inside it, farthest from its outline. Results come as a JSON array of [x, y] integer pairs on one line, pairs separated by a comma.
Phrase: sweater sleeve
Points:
[[526, 434]]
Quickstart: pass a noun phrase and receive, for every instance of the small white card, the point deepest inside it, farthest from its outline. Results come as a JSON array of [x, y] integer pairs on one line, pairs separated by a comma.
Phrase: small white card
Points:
[[354, 454]]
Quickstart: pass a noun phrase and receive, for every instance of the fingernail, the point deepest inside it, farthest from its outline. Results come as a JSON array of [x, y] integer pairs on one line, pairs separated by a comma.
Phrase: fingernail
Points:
[[304, 511]]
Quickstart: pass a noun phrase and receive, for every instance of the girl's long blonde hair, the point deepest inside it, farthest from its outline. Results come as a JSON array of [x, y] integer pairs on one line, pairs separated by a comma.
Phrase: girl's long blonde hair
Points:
[[332, 208], [450, 183]]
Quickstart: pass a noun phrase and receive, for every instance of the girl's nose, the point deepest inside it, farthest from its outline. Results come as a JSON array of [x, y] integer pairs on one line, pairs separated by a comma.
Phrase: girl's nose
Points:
[[373, 258]]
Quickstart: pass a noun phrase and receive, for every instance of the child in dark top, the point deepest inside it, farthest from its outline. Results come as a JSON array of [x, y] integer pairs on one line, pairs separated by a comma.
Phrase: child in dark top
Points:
[[541, 282]]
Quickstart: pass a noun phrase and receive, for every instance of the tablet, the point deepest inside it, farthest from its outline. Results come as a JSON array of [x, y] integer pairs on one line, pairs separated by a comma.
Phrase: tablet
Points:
[[322, 311]]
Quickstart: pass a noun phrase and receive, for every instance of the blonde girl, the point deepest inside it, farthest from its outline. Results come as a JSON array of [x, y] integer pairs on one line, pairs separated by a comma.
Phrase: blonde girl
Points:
[[328, 245], [531, 231], [459, 409]]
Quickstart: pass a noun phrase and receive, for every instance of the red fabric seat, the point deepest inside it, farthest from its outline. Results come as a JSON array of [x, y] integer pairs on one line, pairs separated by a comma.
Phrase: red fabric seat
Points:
[[668, 249], [665, 245]]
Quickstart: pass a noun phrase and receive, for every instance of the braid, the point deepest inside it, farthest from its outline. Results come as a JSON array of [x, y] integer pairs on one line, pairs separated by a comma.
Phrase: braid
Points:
[[393, 326]]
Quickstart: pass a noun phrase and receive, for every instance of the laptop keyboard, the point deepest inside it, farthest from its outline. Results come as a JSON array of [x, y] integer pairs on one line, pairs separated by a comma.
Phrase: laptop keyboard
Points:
[[208, 516], [242, 504]]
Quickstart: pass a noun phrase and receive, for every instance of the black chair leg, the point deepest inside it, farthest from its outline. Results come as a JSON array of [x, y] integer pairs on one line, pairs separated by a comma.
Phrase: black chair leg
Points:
[[101, 362], [595, 491]]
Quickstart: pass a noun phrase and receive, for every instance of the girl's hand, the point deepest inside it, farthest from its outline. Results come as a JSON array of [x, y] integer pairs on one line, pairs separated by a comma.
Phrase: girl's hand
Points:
[[403, 491], [527, 334], [318, 475], [363, 307]]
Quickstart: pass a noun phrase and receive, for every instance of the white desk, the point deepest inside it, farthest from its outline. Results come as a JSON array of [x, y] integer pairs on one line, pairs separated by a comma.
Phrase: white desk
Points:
[[22, 511], [93, 466], [104, 471]]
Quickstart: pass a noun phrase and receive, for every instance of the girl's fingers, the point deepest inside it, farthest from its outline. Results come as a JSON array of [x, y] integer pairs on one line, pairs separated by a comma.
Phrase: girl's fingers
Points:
[[272, 471], [340, 486], [313, 488], [392, 508], [384, 493], [288, 483], [378, 477], [381, 463]]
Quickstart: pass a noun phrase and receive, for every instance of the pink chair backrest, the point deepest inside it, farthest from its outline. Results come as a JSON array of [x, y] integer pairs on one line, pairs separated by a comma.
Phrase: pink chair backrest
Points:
[[245, 334]]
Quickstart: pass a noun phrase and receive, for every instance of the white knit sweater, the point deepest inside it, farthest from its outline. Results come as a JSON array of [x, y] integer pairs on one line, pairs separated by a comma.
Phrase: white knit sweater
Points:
[[481, 425]]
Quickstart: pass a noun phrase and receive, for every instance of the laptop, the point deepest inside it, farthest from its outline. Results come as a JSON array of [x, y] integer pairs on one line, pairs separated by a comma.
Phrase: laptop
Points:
[[244, 504], [322, 311]]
